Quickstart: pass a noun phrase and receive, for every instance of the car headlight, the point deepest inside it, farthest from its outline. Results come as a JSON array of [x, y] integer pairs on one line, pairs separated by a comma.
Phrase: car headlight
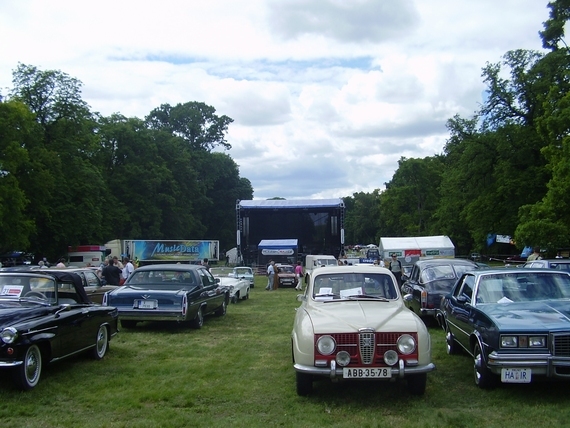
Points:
[[509, 341], [537, 342], [326, 345], [406, 344], [343, 358], [9, 335], [391, 357]]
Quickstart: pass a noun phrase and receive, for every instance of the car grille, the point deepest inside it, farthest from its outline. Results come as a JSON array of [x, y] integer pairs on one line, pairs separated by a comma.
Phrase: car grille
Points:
[[368, 347], [561, 345]]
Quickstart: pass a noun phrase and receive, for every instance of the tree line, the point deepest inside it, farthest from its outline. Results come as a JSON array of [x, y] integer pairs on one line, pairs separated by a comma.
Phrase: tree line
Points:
[[70, 176], [505, 170]]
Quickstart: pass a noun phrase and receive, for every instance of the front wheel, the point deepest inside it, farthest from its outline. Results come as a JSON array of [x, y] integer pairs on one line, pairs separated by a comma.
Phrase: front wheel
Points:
[[417, 384], [101, 343], [304, 384], [27, 375], [484, 378]]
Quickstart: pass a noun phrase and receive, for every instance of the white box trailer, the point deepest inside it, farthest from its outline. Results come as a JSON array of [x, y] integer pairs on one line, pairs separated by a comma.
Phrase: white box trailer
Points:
[[410, 249]]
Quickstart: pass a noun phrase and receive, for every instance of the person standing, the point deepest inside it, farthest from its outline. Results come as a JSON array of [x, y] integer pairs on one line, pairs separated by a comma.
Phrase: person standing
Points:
[[535, 255], [299, 273], [395, 267], [206, 264], [61, 263], [128, 269], [270, 275], [112, 273]]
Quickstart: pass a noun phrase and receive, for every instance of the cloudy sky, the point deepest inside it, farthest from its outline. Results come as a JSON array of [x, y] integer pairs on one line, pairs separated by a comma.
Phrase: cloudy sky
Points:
[[326, 95]]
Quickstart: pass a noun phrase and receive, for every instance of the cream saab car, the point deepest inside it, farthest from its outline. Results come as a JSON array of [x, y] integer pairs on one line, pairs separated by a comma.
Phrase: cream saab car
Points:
[[352, 324]]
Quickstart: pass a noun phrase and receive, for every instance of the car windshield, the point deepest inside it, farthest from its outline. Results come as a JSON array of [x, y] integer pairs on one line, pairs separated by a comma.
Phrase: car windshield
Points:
[[327, 262], [347, 285], [439, 272], [161, 278], [286, 269], [221, 271], [242, 271], [522, 287], [25, 287]]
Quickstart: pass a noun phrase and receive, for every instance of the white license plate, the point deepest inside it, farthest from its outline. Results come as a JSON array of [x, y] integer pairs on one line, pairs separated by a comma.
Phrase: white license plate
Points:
[[146, 304], [516, 375], [366, 373]]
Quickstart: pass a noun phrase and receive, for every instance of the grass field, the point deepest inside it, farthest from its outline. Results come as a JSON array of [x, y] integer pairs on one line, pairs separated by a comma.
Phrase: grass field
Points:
[[236, 372]]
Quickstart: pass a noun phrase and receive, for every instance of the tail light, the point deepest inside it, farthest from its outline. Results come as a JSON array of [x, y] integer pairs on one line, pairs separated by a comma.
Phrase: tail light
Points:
[[184, 304], [424, 299]]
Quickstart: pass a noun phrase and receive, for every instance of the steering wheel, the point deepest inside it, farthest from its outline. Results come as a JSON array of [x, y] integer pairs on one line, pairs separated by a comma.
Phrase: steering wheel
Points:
[[36, 294]]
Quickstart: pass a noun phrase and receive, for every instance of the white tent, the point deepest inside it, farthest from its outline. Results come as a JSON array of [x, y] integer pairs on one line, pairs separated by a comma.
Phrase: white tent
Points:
[[409, 249]]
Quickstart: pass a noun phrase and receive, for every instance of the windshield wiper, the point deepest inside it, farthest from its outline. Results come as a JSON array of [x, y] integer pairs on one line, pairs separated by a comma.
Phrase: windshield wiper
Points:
[[366, 296]]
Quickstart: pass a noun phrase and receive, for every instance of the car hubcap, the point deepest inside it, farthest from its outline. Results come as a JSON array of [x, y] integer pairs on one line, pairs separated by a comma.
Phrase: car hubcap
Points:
[[32, 366]]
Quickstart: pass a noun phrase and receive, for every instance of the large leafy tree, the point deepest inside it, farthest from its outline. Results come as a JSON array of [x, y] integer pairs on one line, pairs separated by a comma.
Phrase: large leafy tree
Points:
[[62, 180], [17, 131]]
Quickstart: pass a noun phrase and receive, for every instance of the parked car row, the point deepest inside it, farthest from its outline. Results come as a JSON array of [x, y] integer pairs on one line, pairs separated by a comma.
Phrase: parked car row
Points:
[[50, 314]]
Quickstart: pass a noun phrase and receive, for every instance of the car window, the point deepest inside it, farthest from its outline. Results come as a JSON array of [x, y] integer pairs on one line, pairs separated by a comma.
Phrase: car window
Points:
[[206, 277], [414, 276], [434, 273], [91, 279], [511, 287], [467, 287], [337, 286]]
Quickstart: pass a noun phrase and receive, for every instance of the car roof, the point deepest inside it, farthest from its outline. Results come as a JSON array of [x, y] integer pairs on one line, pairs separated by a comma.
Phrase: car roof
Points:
[[509, 270], [431, 262]]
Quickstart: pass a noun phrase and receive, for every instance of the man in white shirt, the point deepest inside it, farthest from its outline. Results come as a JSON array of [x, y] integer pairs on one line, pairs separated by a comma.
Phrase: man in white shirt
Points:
[[270, 275], [128, 268]]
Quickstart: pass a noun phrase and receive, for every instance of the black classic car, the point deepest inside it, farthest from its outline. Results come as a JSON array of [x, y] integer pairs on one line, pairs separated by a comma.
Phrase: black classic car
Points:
[[169, 292], [46, 316], [515, 323], [428, 281]]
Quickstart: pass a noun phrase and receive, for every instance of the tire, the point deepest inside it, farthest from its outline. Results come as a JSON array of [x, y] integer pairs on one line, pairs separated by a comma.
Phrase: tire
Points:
[[101, 343], [221, 311], [451, 346], [484, 378], [304, 384], [198, 321], [417, 384], [128, 323], [27, 375]]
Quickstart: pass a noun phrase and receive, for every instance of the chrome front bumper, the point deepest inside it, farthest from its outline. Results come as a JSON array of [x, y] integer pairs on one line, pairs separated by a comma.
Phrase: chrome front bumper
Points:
[[333, 372], [540, 364]]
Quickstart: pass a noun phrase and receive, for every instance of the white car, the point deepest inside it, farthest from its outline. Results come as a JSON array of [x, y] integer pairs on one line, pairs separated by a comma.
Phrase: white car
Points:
[[352, 324], [239, 287], [244, 272]]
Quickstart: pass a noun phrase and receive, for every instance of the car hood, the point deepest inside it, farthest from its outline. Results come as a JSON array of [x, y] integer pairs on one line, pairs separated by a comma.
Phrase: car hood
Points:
[[13, 312], [349, 316], [529, 315]]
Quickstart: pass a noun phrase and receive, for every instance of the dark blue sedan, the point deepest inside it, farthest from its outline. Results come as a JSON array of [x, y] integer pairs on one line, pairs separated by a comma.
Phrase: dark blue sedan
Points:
[[515, 323], [169, 292]]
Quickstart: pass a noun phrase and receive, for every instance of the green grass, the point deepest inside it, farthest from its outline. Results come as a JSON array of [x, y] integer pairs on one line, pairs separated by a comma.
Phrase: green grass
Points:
[[236, 371]]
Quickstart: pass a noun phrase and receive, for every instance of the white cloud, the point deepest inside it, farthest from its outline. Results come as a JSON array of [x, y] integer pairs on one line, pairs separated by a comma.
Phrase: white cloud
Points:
[[326, 95]]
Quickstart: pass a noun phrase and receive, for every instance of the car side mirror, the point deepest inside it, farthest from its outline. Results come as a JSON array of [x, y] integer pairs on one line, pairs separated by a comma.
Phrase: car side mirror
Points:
[[463, 299], [301, 297]]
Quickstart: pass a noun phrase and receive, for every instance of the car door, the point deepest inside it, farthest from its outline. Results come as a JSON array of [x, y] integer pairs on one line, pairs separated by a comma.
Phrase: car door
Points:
[[210, 294], [93, 287], [458, 309]]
